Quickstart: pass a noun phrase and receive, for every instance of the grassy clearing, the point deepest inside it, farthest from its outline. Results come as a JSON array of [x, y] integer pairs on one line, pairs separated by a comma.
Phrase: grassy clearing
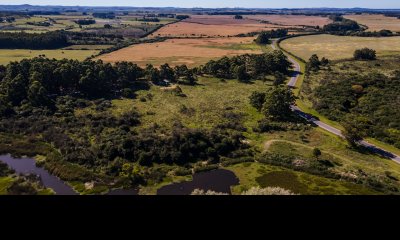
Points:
[[5, 182], [376, 22], [339, 47], [9, 55], [244, 46], [301, 143], [207, 102], [80, 188], [257, 174]]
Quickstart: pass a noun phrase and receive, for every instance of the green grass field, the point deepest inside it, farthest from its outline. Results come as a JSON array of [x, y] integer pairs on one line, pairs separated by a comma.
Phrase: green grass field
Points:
[[257, 174], [5, 182], [9, 55], [209, 101], [67, 22], [339, 47]]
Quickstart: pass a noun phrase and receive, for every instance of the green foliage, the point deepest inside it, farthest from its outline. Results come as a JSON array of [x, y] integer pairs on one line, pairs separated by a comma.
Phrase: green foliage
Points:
[[342, 27], [355, 128], [265, 36], [21, 187], [365, 101], [313, 63], [241, 74], [50, 40], [167, 73], [185, 75], [152, 74], [85, 21], [182, 17], [254, 66], [39, 80], [277, 103], [365, 54], [104, 15], [5, 170], [316, 153], [257, 100], [279, 78], [37, 94]]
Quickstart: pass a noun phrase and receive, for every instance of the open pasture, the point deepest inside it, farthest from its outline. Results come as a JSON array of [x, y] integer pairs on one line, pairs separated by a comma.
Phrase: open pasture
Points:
[[226, 25], [189, 29], [9, 55], [192, 52], [292, 20], [339, 47], [376, 22]]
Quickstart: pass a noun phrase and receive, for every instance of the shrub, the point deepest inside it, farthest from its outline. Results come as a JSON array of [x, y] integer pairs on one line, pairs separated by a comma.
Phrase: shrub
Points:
[[209, 192], [365, 54], [267, 191]]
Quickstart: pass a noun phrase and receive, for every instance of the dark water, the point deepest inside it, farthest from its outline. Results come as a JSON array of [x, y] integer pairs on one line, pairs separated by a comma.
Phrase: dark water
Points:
[[219, 180], [27, 165]]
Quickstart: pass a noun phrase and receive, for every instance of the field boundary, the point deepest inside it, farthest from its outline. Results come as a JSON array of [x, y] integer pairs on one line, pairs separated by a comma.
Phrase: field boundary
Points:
[[138, 41]]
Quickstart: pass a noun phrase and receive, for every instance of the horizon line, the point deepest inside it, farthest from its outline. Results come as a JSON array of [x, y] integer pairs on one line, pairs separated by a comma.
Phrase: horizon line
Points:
[[104, 6]]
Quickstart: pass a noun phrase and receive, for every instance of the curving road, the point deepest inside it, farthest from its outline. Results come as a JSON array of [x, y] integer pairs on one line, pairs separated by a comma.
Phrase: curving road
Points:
[[292, 83]]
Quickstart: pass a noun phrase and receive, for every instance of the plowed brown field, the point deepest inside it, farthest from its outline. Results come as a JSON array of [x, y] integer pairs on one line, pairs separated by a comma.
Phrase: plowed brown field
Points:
[[192, 52]]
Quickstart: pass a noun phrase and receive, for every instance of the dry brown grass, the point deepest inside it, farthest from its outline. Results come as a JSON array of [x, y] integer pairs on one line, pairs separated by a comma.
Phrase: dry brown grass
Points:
[[293, 20], [219, 20], [217, 25], [377, 22], [189, 29], [192, 52], [339, 47]]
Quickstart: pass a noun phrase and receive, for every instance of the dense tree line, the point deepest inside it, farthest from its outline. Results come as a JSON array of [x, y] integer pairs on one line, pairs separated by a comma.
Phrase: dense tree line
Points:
[[248, 66], [314, 63], [85, 21], [265, 36], [342, 27], [39, 81], [50, 40], [397, 15], [275, 104], [153, 19], [381, 33], [104, 15], [182, 17]]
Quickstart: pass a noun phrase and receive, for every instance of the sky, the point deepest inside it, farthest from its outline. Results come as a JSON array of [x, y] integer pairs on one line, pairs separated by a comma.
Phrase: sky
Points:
[[217, 3]]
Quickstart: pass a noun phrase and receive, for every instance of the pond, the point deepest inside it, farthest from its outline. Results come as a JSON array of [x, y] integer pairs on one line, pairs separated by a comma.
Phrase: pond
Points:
[[219, 180], [28, 165]]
